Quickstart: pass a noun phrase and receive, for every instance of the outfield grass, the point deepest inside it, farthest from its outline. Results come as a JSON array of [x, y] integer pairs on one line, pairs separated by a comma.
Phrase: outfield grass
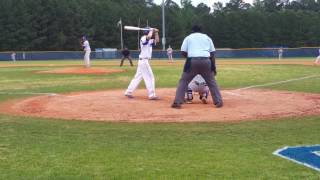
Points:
[[35, 148]]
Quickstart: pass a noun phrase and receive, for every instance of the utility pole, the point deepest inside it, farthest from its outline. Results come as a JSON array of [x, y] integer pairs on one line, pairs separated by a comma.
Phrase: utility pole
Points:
[[138, 47], [121, 36], [163, 28]]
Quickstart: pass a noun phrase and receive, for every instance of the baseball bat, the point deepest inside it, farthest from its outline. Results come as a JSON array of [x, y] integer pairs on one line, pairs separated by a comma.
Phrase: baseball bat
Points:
[[133, 28]]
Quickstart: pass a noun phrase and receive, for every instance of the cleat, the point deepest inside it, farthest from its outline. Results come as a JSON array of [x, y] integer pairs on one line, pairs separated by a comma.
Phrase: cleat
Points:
[[154, 98], [129, 96], [219, 104]]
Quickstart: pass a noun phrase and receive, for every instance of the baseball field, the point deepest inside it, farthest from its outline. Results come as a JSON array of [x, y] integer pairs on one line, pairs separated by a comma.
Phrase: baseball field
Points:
[[59, 123]]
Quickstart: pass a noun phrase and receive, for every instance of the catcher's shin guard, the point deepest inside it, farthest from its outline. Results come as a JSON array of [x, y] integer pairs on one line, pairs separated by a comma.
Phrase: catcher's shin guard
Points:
[[189, 95], [206, 94]]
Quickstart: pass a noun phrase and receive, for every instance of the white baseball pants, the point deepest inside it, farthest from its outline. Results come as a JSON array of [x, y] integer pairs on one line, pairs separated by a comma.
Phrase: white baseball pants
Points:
[[144, 72], [317, 60], [201, 88], [87, 59], [170, 57]]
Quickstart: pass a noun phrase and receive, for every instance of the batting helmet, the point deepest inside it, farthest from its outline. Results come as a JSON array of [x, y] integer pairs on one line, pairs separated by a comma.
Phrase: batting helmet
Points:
[[146, 31]]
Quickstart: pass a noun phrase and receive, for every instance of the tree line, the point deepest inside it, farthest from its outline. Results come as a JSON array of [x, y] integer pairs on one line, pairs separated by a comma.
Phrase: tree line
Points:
[[55, 25]]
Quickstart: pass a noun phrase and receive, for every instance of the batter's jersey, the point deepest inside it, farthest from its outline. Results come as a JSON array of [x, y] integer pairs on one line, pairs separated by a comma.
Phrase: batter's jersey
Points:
[[86, 45], [146, 47]]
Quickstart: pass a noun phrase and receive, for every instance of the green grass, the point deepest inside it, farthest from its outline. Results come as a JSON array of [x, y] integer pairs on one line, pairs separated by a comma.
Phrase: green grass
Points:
[[42, 149], [35, 148], [248, 75]]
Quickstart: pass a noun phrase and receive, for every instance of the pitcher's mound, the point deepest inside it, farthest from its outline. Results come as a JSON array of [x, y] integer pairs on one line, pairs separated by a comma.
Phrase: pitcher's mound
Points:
[[82, 71], [114, 106]]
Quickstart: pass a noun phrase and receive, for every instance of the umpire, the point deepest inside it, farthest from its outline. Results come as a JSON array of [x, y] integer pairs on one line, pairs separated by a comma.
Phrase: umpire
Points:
[[126, 55], [199, 50]]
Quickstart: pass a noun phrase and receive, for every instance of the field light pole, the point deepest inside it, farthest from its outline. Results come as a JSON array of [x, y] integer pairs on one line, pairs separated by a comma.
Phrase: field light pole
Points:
[[163, 28], [121, 35]]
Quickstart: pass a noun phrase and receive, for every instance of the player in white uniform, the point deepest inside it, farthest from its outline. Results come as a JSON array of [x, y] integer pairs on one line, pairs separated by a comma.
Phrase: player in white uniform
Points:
[[13, 56], [144, 71], [318, 59], [169, 53], [280, 53], [199, 85], [87, 49]]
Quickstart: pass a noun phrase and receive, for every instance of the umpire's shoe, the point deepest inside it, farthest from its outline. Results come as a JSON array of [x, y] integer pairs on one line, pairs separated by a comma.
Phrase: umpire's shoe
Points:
[[176, 105], [219, 104]]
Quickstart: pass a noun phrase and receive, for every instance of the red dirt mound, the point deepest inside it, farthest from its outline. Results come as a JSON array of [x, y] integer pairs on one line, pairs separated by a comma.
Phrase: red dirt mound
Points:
[[112, 105], [82, 71]]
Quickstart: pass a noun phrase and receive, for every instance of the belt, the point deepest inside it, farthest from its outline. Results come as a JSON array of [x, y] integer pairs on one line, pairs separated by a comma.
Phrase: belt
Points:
[[144, 58], [199, 58]]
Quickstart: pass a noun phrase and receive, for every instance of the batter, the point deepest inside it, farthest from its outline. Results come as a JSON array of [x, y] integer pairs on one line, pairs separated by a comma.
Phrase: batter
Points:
[[144, 71]]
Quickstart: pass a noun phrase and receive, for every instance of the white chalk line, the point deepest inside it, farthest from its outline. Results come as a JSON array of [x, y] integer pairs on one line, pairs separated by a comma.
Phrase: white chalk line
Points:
[[234, 93], [278, 82]]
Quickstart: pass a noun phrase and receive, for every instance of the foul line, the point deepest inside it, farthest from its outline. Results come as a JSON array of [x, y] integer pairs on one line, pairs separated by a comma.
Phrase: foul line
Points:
[[279, 82]]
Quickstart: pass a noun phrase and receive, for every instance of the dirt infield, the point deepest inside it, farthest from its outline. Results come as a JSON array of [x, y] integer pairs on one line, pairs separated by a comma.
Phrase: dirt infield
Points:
[[112, 105], [82, 71]]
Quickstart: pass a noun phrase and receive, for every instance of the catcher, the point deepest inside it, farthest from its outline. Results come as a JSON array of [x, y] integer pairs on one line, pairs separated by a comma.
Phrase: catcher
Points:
[[199, 85]]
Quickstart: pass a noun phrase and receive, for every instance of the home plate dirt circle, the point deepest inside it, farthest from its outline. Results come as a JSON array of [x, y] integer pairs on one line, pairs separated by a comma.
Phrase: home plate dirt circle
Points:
[[112, 105]]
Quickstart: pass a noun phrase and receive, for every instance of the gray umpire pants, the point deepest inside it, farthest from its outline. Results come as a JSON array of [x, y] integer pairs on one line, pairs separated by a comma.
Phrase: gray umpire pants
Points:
[[198, 66]]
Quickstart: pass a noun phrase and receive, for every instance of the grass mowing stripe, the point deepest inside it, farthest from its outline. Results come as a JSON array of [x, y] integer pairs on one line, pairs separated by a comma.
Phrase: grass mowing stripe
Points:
[[28, 93]]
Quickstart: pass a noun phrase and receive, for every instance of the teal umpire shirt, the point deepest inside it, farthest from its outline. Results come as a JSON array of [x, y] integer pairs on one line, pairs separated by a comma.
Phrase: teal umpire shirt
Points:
[[198, 45]]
